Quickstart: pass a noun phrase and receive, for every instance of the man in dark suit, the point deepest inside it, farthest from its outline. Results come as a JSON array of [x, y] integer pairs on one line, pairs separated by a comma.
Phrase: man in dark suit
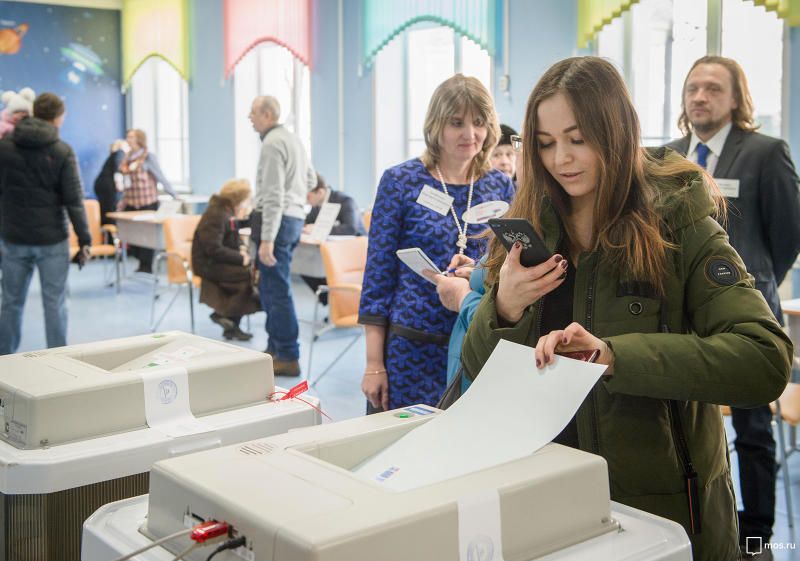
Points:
[[348, 221], [756, 175]]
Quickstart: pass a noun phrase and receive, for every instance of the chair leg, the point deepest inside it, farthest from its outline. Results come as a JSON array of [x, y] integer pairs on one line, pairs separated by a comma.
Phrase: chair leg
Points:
[[156, 266], [313, 338], [787, 482], [331, 365], [117, 264], [191, 302], [168, 307]]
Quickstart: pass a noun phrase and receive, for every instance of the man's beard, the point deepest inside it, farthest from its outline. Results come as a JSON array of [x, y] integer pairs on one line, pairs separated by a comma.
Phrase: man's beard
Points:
[[709, 126]]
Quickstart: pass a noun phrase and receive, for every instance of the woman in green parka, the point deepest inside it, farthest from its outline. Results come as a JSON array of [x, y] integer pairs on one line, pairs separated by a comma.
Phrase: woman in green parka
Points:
[[643, 272]]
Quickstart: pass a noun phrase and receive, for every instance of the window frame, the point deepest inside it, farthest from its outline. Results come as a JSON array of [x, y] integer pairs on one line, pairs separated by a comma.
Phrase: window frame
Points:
[[183, 184]]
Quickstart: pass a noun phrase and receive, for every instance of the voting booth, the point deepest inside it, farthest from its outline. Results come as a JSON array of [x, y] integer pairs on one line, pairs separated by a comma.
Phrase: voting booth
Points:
[[82, 425], [469, 483], [295, 497]]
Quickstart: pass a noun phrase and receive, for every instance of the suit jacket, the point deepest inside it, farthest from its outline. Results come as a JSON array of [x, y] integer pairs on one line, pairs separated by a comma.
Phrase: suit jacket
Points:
[[764, 220], [348, 221]]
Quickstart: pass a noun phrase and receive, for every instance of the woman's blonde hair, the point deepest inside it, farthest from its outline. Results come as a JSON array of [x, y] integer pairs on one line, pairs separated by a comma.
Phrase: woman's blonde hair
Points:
[[141, 137], [627, 228], [236, 191], [457, 94]]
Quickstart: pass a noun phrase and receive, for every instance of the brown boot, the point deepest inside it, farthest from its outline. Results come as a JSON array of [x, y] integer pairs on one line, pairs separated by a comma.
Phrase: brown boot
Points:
[[285, 367]]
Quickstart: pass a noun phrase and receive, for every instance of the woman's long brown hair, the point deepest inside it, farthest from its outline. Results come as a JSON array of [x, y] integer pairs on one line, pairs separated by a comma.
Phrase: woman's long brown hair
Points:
[[627, 229]]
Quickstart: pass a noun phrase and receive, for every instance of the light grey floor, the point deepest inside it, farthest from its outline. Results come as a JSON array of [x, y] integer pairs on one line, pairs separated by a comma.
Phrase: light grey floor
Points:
[[97, 312]]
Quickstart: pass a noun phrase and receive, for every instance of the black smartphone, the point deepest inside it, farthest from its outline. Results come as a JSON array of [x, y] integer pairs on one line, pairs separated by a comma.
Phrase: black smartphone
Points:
[[511, 230]]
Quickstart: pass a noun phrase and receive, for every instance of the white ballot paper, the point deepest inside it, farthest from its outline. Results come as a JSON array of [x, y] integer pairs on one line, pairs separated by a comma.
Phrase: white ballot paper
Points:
[[326, 220], [511, 410], [166, 402]]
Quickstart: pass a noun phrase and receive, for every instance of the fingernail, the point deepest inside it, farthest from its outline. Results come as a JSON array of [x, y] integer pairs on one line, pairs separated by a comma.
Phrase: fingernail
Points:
[[538, 363], [517, 245], [559, 259], [563, 276], [564, 264], [564, 340]]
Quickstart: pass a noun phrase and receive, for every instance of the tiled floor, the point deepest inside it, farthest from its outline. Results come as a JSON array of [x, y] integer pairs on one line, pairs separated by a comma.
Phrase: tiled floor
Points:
[[97, 312]]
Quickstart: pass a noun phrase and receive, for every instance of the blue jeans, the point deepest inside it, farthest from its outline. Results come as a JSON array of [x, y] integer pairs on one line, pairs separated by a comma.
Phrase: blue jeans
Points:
[[17, 265], [275, 290]]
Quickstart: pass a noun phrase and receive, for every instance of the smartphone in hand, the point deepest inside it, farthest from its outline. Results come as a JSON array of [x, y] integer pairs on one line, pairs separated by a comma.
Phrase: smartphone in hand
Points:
[[512, 230], [589, 355]]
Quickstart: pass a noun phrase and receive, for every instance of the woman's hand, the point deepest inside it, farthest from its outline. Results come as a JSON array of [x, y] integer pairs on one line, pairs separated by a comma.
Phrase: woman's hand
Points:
[[519, 286], [451, 290], [375, 385], [573, 338], [245, 257], [460, 260]]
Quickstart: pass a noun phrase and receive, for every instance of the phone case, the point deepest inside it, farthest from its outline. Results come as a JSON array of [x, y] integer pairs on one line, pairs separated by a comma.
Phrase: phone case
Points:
[[511, 230], [589, 355]]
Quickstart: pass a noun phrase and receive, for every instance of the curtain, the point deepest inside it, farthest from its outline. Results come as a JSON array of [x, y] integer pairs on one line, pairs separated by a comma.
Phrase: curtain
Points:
[[154, 28], [250, 22], [593, 15], [786, 9], [383, 21]]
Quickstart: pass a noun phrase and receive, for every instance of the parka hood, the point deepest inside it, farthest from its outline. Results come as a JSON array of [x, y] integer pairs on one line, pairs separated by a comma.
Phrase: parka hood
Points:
[[34, 133]]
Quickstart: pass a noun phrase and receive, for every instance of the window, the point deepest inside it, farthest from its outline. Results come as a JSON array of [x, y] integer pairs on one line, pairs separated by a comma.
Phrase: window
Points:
[[761, 59], [269, 69], [428, 55], [158, 106], [655, 44]]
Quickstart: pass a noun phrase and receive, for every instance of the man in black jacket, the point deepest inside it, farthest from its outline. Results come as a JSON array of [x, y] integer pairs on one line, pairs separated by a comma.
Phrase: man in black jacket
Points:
[[756, 175], [39, 181], [348, 221]]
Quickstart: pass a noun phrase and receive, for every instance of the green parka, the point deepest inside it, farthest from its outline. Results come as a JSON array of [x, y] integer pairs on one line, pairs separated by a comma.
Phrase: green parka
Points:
[[723, 347]]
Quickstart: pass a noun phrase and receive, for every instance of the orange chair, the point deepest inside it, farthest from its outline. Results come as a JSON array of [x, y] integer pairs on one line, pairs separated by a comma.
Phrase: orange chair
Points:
[[785, 410], [104, 238], [178, 235], [366, 217], [344, 262]]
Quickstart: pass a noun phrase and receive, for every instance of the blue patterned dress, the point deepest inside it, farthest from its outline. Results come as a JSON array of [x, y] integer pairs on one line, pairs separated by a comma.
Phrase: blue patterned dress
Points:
[[418, 326]]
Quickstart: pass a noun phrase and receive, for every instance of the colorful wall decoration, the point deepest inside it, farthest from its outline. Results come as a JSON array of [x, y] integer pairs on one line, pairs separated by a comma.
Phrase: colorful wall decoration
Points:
[[155, 28], [75, 53]]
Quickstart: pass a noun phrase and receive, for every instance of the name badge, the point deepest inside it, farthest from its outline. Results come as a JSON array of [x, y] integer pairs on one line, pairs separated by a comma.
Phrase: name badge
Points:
[[482, 213], [435, 200], [729, 187]]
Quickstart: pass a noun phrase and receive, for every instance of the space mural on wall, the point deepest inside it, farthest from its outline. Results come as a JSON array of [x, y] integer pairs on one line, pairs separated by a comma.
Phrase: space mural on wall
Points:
[[75, 53]]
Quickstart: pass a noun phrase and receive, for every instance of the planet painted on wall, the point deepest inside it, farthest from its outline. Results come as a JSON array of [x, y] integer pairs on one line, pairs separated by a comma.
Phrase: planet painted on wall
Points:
[[11, 38], [82, 63]]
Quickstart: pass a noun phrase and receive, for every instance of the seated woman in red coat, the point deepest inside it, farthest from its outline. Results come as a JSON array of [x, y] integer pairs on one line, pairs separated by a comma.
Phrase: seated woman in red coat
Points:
[[223, 262]]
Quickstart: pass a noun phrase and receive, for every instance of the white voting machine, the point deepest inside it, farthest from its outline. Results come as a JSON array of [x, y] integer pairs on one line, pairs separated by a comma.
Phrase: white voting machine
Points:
[[83, 424], [294, 497]]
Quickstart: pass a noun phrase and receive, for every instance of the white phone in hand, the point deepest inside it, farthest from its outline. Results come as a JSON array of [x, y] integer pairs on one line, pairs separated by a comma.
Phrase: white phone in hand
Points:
[[416, 259]]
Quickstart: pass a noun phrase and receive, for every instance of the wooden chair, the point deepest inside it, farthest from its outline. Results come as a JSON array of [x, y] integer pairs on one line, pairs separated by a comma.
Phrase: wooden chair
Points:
[[104, 239], [366, 217], [344, 262], [785, 411], [178, 235]]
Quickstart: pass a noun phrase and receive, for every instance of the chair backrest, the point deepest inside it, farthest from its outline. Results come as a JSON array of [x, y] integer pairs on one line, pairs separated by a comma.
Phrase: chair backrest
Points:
[[366, 217], [92, 208], [344, 262], [178, 235]]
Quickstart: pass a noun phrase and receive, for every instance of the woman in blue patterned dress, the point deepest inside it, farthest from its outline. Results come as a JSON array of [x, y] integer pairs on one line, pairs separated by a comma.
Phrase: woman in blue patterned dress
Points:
[[420, 203]]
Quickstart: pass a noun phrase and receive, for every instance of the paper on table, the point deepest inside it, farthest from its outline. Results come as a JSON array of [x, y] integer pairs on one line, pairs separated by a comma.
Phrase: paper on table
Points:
[[326, 220], [511, 410], [166, 402]]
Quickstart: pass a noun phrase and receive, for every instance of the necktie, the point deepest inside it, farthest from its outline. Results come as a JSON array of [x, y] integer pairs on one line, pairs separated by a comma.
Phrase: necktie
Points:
[[702, 155]]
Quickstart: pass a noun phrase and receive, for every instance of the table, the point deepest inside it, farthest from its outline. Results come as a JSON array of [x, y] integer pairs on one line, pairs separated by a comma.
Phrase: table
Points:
[[140, 227], [307, 259]]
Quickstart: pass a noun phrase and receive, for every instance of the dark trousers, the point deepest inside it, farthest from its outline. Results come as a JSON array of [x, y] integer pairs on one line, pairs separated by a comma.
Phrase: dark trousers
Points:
[[143, 254], [755, 448], [275, 290]]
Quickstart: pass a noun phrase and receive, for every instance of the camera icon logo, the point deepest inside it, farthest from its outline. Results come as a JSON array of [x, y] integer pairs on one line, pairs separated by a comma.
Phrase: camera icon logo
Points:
[[753, 545]]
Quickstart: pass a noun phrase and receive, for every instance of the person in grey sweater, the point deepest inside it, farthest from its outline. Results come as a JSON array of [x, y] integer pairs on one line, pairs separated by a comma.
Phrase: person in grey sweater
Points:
[[283, 178]]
